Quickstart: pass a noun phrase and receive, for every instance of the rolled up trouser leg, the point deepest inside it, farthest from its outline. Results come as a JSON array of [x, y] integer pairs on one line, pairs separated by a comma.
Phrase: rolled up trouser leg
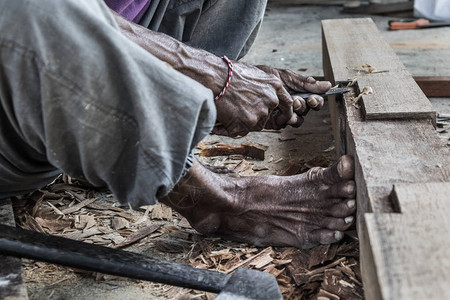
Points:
[[76, 96], [222, 27]]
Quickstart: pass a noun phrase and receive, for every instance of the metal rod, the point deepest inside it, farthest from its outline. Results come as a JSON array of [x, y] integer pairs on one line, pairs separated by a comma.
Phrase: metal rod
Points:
[[28, 244]]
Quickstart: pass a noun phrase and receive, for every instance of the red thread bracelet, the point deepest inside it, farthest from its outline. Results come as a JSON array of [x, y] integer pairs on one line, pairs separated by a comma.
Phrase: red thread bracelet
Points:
[[230, 74]]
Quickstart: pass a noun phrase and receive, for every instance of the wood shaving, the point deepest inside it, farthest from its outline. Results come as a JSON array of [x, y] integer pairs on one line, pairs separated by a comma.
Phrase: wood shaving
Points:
[[366, 91], [327, 271], [369, 69]]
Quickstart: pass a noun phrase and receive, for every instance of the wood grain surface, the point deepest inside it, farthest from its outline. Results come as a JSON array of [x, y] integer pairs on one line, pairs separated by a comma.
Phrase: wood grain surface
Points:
[[352, 43], [390, 147], [434, 86], [412, 250]]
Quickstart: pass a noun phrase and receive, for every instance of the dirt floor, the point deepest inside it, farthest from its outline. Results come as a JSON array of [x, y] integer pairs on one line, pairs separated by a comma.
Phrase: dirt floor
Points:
[[290, 38]]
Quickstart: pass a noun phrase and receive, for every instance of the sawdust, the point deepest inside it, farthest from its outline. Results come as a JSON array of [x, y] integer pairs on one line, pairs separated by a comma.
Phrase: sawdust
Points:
[[69, 209]]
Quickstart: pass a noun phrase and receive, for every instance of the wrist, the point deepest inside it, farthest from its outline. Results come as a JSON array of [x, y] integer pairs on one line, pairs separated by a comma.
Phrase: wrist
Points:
[[230, 75], [210, 70]]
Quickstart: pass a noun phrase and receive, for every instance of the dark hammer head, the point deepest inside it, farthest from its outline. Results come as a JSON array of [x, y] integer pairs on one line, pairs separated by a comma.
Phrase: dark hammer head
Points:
[[247, 284]]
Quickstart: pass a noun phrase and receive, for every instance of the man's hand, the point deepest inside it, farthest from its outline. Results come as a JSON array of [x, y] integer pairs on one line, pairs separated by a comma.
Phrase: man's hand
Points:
[[295, 108], [257, 97], [248, 101], [260, 97]]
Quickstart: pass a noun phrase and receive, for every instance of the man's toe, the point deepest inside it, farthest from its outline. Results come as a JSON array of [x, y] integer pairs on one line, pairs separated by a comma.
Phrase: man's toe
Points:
[[346, 167], [341, 224], [325, 236], [339, 171], [344, 189], [343, 209]]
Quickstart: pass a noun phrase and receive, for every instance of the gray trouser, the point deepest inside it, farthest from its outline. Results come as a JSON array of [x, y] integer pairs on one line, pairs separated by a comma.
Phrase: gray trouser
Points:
[[222, 27], [76, 96]]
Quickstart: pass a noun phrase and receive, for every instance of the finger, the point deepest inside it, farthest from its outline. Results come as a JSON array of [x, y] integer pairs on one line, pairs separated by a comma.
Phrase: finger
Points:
[[300, 108], [285, 105], [315, 102], [299, 104], [294, 81], [297, 122], [317, 87], [271, 123]]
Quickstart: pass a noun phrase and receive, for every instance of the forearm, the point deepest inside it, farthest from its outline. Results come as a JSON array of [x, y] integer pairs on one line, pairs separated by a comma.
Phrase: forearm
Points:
[[198, 64]]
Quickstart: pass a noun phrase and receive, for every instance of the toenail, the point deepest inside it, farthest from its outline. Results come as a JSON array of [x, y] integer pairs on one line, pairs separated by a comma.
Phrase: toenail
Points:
[[351, 203], [350, 188], [338, 235], [348, 220]]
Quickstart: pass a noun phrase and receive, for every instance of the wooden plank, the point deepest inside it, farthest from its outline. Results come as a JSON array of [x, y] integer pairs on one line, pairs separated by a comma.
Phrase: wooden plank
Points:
[[434, 86], [12, 285], [393, 151], [380, 8], [352, 43], [386, 152], [412, 250]]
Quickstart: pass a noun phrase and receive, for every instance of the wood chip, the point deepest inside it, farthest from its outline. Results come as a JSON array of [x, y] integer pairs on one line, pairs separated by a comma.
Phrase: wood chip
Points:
[[285, 139], [162, 212], [139, 235], [331, 148], [30, 223], [321, 254], [278, 160], [261, 261], [273, 270], [54, 225], [184, 223], [57, 211], [79, 235], [78, 206], [118, 223], [256, 151], [259, 168], [324, 295], [244, 168], [250, 259]]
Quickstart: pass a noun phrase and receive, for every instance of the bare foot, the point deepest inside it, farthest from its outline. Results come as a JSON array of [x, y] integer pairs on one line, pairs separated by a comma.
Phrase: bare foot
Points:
[[302, 210]]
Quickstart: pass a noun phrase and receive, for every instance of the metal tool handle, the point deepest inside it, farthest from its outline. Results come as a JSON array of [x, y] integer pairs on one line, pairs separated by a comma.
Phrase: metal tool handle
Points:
[[407, 24], [29, 244], [332, 91]]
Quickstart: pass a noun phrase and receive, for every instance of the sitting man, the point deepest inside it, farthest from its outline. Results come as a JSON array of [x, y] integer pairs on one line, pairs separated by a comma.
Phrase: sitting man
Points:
[[87, 92]]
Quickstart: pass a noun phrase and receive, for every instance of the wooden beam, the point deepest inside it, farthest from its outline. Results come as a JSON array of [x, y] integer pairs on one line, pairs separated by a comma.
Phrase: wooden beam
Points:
[[12, 286], [380, 8], [396, 94], [412, 250], [434, 86], [393, 142]]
